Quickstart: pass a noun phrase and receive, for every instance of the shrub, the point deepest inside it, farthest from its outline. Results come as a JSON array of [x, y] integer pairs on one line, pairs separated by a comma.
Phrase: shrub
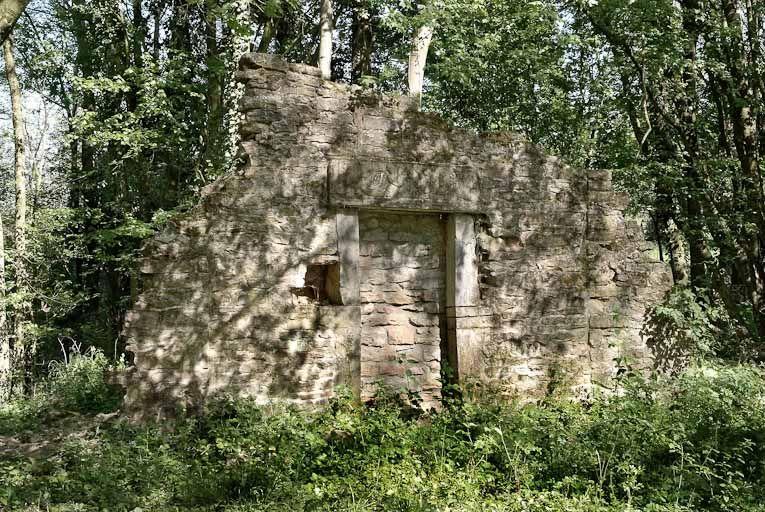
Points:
[[690, 443], [75, 385], [78, 384]]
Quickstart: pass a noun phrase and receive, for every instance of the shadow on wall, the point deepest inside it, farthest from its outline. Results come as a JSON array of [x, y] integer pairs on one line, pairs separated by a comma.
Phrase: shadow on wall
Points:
[[219, 312]]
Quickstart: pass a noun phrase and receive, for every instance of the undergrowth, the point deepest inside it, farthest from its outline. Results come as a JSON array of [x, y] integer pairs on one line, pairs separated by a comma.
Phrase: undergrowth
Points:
[[75, 385], [696, 442]]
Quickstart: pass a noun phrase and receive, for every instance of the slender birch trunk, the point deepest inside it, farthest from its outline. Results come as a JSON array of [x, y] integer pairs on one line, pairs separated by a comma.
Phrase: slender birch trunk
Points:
[[5, 342], [417, 57], [20, 355], [325, 39]]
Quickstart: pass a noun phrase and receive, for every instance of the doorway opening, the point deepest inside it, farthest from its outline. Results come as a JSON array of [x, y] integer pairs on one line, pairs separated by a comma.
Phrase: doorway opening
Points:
[[402, 285]]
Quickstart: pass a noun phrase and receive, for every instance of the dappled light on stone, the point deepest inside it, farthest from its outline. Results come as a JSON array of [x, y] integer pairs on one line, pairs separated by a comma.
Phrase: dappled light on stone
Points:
[[365, 243]]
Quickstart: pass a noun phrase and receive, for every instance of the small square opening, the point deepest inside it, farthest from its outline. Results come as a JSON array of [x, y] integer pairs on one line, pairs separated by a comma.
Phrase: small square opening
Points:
[[321, 284]]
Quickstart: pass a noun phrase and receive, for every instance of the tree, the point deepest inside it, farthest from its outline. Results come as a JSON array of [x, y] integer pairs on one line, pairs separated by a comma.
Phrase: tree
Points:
[[326, 25], [216, 67], [417, 59], [5, 342], [690, 86], [669, 95], [515, 66], [363, 36], [20, 350], [10, 11]]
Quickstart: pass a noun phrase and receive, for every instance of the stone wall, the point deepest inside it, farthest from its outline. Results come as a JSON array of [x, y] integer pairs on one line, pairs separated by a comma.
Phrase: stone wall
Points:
[[270, 287]]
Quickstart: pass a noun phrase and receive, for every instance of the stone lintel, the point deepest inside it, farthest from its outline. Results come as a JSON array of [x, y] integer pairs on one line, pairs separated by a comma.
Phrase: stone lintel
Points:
[[392, 185], [274, 62]]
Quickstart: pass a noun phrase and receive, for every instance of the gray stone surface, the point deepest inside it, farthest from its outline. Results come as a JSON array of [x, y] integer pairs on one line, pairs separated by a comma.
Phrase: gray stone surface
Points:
[[362, 240]]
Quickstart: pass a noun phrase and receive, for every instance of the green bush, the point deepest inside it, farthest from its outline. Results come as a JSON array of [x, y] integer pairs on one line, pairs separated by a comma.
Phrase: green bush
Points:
[[690, 325], [694, 442], [74, 385], [78, 384]]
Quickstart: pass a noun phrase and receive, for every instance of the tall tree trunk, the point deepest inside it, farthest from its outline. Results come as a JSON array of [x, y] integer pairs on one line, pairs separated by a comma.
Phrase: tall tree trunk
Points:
[[156, 31], [5, 342], [215, 75], [10, 11], [136, 34], [417, 57], [37, 164], [687, 104], [87, 161], [139, 33], [363, 42], [239, 45], [84, 177], [75, 197], [642, 130], [180, 27], [742, 101], [21, 355], [325, 39], [269, 30]]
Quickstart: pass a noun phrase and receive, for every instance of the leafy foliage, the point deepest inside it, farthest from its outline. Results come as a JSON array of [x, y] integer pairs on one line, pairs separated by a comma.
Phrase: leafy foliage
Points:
[[76, 385], [683, 327], [693, 443]]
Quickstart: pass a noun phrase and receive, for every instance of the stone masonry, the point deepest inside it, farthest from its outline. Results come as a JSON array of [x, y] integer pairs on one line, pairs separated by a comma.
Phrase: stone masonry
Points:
[[364, 243], [402, 266]]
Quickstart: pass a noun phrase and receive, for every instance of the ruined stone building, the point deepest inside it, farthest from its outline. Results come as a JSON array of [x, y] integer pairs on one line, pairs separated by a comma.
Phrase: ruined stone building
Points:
[[364, 242]]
